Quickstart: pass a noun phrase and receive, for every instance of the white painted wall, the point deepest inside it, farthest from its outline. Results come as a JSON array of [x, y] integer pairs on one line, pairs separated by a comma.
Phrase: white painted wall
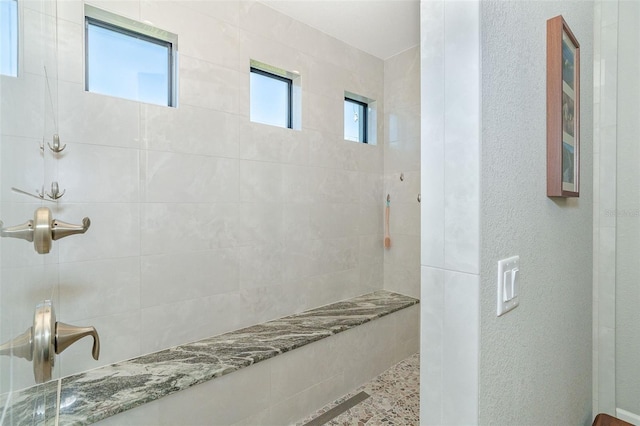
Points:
[[535, 362]]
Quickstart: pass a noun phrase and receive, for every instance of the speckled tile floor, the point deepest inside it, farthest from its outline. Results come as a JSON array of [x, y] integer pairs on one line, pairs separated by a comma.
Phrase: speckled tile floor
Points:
[[394, 399]]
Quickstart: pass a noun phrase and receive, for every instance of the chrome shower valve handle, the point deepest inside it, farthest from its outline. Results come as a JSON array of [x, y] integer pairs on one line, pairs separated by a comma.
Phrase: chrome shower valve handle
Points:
[[43, 230], [47, 337]]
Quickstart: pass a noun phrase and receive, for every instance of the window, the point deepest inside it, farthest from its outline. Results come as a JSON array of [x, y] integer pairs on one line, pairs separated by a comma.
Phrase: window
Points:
[[360, 121], [9, 37], [128, 59], [275, 96], [271, 98], [355, 120]]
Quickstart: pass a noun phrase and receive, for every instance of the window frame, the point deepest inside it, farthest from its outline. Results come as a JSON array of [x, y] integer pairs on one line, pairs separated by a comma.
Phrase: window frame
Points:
[[17, 40], [121, 25], [364, 125], [289, 82]]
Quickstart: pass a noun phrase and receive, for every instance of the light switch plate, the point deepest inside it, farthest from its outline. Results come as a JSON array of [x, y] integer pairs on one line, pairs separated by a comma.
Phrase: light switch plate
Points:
[[508, 284]]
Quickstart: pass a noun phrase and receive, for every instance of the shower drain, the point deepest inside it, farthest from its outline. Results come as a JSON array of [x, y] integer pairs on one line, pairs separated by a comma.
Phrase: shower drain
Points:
[[338, 409]]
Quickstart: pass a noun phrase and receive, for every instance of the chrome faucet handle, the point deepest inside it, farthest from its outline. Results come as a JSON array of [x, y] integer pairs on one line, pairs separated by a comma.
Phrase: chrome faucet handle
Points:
[[66, 335], [43, 230], [46, 338], [24, 231], [60, 229], [21, 346]]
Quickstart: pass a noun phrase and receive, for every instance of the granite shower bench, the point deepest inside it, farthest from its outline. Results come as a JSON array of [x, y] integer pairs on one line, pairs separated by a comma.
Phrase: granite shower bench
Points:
[[284, 389]]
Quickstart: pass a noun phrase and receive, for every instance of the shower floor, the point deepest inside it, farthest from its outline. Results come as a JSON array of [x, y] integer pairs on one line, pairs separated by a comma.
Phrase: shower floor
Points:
[[394, 399]]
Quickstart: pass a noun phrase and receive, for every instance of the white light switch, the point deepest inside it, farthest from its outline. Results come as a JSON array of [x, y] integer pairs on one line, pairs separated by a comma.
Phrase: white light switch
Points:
[[508, 277]]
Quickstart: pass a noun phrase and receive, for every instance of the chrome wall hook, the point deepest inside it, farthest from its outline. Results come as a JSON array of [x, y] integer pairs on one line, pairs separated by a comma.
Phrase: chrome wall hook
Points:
[[419, 197], [56, 144], [55, 191], [401, 177]]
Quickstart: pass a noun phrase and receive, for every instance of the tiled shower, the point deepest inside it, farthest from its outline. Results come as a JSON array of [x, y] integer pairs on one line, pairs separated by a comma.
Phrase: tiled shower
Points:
[[202, 221]]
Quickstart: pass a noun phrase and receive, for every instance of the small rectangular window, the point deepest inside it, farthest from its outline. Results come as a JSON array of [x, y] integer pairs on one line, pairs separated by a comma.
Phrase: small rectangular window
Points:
[[271, 98], [360, 118], [9, 37], [129, 60], [355, 120]]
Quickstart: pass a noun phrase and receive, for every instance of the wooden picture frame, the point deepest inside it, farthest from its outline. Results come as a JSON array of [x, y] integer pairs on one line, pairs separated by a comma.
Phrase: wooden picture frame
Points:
[[563, 110]]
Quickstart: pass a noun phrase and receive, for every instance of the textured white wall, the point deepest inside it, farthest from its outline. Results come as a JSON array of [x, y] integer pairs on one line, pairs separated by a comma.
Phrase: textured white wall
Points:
[[535, 362], [202, 222], [627, 290]]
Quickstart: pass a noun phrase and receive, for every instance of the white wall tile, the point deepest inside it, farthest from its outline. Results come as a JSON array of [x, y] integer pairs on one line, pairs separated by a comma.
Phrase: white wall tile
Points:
[[91, 118], [302, 403], [207, 85], [226, 10], [334, 220], [114, 231], [207, 273], [462, 137], [26, 115], [322, 289], [182, 227], [261, 265], [328, 110], [27, 171], [39, 31], [189, 130], [220, 46], [407, 332], [94, 174], [461, 340], [271, 143], [164, 326], [333, 186], [432, 345], [291, 374], [370, 343], [329, 150], [260, 182], [70, 47], [450, 213], [99, 288], [183, 178], [260, 223], [119, 338]]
